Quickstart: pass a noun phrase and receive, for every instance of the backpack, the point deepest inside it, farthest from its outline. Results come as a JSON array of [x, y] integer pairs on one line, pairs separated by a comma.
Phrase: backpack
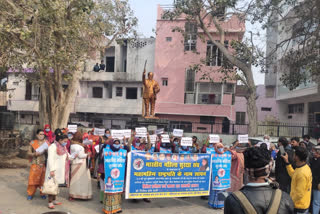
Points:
[[249, 209]]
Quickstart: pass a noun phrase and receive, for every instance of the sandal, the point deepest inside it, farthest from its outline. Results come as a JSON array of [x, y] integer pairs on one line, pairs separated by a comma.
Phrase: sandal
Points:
[[57, 203], [51, 206]]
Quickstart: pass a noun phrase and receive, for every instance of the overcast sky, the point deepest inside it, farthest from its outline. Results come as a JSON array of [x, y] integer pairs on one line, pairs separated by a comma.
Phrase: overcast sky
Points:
[[146, 12]]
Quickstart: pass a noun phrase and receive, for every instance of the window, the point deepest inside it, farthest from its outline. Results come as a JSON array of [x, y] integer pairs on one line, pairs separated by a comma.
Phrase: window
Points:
[[28, 95], [266, 109], [110, 64], [207, 120], [228, 88], [296, 108], [118, 91], [165, 82], [269, 92], [131, 93], [168, 39], [240, 118], [190, 38], [209, 93], [189, 97], [214, 55], [97, 92], [141, 94]]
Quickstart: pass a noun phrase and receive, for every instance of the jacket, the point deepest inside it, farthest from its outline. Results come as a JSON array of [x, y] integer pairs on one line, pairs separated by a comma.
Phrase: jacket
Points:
[[282, 176], [301, 186], [260, 198], [315, 169]]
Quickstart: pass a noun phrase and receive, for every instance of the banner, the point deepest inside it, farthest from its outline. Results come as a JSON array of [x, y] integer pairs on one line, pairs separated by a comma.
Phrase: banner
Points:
[[221, 166], [159, 175], [114, 165]]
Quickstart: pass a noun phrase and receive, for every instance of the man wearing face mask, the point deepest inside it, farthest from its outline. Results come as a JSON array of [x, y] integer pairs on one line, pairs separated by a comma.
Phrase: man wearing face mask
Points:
[[37, 169]]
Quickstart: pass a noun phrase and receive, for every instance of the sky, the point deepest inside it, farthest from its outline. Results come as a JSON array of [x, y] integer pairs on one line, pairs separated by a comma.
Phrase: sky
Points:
[[146, 12]]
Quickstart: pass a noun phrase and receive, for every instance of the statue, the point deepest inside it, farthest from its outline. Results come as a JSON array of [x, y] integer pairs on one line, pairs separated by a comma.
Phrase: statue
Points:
[[150, 90]]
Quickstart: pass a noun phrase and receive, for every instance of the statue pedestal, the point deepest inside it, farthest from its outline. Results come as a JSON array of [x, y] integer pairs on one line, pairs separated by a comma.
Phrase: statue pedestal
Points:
[[152, 117]]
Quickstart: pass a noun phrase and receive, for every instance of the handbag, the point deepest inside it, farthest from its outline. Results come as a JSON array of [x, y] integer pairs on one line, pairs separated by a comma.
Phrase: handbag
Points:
[[50, 187]]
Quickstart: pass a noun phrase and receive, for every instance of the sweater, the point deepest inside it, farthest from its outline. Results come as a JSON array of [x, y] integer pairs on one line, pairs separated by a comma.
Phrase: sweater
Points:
[[301, 186]]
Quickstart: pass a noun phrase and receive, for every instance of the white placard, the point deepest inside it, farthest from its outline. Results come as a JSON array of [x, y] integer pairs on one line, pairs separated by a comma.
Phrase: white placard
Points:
[[243, 138], [117, 134], [165, 138], [41, 149], [177, 132], [159, 131], [186, 141], [213, 138], [153, 138], [73, 128], [97, 148], [99, 132], [127, 133], [141, 132]]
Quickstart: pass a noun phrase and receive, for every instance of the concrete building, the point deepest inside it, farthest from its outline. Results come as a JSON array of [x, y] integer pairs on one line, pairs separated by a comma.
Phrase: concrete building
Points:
[[266, 105], [105, 98], [298, 106], [184, 96]]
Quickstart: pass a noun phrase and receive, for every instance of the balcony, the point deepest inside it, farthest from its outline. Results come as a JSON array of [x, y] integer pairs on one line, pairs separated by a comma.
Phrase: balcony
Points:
[[111, 76]]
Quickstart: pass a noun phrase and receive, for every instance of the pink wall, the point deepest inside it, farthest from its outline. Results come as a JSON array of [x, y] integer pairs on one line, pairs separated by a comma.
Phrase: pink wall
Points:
[[262, 101], [171, 61]]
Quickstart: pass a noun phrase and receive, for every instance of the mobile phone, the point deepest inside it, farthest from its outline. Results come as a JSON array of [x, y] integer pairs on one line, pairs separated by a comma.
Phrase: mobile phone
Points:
[[282, 151]]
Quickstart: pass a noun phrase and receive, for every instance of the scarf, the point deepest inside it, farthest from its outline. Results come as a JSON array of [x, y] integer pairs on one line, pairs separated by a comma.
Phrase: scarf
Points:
[[61, 150]]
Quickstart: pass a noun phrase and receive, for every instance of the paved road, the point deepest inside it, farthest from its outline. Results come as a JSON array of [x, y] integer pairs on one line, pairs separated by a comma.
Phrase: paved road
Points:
[[13, 184]]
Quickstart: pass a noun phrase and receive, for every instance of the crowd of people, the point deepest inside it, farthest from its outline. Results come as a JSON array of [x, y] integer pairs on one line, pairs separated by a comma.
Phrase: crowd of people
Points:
[[265, 178]]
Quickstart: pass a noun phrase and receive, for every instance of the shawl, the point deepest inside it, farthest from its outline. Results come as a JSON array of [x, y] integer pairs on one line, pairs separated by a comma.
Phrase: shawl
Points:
[[49, 134]]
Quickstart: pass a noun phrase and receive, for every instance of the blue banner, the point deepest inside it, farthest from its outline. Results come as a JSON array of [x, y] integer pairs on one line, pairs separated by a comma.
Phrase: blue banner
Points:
[[114, 167], [221, 166], [160, 175]]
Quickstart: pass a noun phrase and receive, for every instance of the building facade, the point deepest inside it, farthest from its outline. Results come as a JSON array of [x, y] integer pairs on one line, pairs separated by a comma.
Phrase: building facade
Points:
[[301, 105], [184, 96], [105, 98]]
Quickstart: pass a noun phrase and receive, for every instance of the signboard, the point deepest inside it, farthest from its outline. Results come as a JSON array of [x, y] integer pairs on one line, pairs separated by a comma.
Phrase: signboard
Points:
[[159, 175], [221, 166], [114, 164], [159, 131], [177, 132], [165, 138], [153, 139], [214, 138], [73, 128], [186, 141], [243, 138], [119, 134], [99, 132], [141, 132]]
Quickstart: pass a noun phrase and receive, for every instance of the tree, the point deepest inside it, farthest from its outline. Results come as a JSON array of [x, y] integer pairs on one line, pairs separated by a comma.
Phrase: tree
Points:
[[53, 39], [208, 14]]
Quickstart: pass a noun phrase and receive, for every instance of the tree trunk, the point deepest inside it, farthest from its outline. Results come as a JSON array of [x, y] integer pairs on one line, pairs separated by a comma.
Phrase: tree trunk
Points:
[[252, 113]]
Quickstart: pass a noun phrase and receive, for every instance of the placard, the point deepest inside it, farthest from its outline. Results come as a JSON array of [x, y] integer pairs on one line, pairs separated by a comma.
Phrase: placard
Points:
[[153, 139], [159, 175], [141, 132], [99, 132], [243, 138], [214, 138], [165, 138], [127, 133], [186, 141], [177, 132], [73, 128], [159, 131]]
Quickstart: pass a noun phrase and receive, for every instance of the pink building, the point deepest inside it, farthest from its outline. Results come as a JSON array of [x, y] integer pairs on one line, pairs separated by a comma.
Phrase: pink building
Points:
[[183, 96]]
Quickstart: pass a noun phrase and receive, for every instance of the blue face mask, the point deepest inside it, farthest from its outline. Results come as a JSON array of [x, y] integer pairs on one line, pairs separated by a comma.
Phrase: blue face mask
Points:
[[220, 150], [210, 145], [137, 144], [117, 146], [70, 136], [47, 130], [184, 147], [64, 144], [164, 145], [107, 135], [176, 143]]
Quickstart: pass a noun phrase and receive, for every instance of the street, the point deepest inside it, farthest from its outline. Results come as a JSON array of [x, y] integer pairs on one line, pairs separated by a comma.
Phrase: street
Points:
[[13, 185]]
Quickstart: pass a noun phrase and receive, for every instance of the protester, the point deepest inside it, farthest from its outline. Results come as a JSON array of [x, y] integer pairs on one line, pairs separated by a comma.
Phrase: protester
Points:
[[294, 141], [282, 176], [258, 194], [112, 201], [56, 165], [182, 149], [80, 182], [215, 201], [309, 145], [37, 168], [48, 133], [301, 183], [315, 169], [237, 167], [195, 145], [70, 136], [163, 147]]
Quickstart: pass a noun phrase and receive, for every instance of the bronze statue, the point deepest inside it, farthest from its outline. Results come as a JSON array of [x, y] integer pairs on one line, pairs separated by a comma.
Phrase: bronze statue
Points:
[[150, 91]]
